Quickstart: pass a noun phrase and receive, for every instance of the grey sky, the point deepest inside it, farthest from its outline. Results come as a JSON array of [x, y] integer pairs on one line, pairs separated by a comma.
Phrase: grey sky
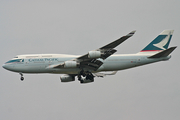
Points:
[[75, 27]]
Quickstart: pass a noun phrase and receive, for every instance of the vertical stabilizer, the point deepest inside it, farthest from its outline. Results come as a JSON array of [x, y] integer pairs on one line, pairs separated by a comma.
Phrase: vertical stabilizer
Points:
[[161, 42]]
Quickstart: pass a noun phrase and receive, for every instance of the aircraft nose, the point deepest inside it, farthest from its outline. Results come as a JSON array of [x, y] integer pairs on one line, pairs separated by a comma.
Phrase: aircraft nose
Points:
[[8, 67], [4, 66]]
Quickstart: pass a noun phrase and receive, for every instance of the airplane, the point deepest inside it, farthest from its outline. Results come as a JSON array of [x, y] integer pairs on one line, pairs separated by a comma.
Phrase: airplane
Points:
[[86, 67]]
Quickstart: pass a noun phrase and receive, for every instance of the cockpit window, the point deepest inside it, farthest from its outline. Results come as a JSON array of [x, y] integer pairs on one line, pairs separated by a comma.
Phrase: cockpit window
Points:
[[16, 61], [16, 57]]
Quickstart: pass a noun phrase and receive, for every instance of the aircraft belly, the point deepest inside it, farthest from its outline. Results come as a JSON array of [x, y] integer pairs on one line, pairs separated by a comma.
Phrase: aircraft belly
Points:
[[32, 69], [120, 64], [42, 68]]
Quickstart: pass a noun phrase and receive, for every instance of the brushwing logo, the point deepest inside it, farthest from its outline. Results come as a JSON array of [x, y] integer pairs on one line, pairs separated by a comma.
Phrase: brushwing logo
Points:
[[163, 42]]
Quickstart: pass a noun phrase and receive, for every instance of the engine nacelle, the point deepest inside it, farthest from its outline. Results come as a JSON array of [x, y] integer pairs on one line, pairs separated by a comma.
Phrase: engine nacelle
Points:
[[67, 78], [70, 64], [94, 54], [84, 80]]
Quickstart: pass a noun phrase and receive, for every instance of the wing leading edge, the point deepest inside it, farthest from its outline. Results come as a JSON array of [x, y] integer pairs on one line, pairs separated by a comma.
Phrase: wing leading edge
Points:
[[90, 60], [105, 51], [108, 50]]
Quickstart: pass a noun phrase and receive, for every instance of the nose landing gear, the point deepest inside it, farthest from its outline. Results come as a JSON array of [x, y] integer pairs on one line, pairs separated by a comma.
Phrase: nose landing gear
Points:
[[22, 78]]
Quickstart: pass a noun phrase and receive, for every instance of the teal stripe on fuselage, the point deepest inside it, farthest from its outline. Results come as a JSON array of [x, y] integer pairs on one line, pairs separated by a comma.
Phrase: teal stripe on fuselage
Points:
[[15, 61]]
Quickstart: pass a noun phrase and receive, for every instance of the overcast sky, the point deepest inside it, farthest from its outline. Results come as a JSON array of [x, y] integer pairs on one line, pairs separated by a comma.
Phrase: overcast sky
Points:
[[150, 92]]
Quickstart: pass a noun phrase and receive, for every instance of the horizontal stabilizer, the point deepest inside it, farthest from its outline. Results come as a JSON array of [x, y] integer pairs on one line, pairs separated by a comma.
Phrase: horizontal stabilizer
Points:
[[164, 53]]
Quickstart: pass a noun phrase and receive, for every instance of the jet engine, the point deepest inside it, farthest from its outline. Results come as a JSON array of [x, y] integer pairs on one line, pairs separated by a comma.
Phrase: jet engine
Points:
[[67, 78], [70, 64], [94, 54]]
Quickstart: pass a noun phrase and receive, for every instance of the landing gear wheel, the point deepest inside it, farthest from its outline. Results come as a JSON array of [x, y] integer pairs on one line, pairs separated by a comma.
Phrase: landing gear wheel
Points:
[[81, 81], [82, 73], [22, 78], [90, 76]]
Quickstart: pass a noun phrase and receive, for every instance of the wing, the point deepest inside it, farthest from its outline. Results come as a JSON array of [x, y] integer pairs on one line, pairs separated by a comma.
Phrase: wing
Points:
[[104, 74], [108, 50], [90, 60]]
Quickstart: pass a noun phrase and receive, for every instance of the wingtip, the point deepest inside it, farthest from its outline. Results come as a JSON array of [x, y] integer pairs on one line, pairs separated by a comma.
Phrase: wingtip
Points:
[[175, 47], [132, 33]]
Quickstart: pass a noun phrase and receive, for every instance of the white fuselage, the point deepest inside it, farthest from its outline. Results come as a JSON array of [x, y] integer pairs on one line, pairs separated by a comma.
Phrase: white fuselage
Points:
[[40, 63]]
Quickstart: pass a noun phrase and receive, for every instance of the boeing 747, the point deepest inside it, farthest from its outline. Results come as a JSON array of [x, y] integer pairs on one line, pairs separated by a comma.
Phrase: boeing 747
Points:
[[86, 67]]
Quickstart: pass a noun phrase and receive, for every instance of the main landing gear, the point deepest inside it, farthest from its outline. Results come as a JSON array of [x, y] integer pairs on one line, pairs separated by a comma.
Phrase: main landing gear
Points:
[[22, 78], [85, 77]]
